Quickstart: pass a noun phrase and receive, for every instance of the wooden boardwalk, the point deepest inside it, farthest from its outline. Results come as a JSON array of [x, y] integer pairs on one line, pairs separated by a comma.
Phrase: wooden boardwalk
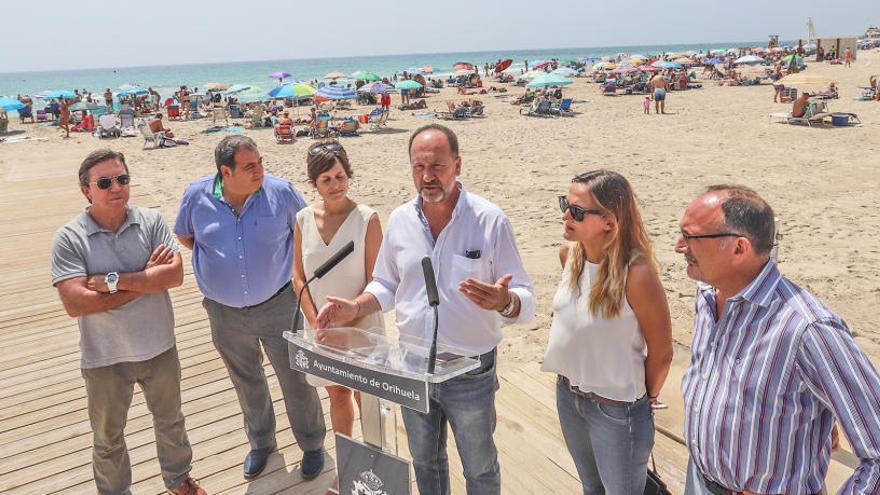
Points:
[[44, 429]]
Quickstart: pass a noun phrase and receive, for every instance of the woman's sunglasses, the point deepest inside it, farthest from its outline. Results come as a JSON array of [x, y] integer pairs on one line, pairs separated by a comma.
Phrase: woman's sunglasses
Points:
[[576, 211], [106, 182], [331, 147]]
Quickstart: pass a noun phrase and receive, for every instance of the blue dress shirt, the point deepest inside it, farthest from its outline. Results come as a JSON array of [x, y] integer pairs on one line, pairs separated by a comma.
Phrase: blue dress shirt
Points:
[[240, 260]]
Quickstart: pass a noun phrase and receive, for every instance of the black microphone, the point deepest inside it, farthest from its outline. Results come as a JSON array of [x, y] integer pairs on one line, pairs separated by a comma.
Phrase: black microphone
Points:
[[433, 301], [430, 282], [320, 272]]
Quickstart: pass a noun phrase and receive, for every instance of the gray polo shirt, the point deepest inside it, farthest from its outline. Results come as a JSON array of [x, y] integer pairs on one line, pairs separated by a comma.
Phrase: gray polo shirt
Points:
[[136, 331]]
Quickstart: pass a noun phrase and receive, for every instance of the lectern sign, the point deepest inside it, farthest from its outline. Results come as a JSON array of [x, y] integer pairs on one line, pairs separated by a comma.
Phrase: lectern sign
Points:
[[407, 392], [367, 470]]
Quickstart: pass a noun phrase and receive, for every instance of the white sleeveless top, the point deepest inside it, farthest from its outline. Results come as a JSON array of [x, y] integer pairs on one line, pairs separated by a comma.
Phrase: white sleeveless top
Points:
[[606, 357], [348, 278]]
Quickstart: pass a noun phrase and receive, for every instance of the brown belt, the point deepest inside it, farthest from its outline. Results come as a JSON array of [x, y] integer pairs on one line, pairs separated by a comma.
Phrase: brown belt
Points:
[[591, 396]]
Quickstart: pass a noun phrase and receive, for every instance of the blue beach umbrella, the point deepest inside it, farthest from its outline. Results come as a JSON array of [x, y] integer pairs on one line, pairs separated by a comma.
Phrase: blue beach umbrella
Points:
[[132, 90], [545, 80], [295, 90], [9, 104], [407, 84], [714, 60], [336, 93], [667, 65], [59, 93]]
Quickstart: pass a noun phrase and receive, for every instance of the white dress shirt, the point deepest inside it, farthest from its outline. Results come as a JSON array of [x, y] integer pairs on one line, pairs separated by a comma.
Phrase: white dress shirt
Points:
[[477, 243]]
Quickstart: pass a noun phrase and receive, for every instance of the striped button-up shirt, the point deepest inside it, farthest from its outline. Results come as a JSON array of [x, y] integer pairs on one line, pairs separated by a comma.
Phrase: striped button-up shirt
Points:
[[766, 383]]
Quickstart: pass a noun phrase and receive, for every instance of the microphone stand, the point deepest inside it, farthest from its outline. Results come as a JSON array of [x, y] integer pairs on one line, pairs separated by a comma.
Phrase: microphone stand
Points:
[[432, 357], [320, 272]]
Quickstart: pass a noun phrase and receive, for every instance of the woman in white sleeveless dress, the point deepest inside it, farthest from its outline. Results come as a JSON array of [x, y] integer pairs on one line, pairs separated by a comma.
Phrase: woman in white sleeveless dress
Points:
[[611, 338], [321, 230]]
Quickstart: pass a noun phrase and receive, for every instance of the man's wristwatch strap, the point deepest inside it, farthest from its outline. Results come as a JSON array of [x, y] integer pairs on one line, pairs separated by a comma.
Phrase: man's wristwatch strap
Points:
[[507, 312]]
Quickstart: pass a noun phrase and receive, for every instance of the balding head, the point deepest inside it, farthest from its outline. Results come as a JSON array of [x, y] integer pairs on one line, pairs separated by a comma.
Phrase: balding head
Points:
[[434, 135], [745, 212]]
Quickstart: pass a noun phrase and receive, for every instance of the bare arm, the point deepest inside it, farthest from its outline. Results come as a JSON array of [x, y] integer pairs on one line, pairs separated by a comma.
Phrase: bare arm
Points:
[[79, 300], [648, 300], [373, 242], [299, 279], [563, 253], [186, 241], [163, 271]]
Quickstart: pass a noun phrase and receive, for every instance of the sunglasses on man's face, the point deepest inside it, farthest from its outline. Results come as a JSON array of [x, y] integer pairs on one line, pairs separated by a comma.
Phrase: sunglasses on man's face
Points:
[[577, 212], [106, 182], [332, 147]]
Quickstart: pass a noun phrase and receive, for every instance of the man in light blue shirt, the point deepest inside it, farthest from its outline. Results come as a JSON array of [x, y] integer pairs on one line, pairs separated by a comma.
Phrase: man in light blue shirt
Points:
[[239, 224], [481, 285]]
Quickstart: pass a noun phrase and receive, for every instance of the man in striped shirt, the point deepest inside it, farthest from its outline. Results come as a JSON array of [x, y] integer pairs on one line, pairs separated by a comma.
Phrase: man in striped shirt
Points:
[[772, 368]]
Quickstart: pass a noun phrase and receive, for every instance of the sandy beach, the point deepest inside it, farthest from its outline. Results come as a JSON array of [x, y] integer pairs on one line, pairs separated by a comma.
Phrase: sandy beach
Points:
[[822, 182]]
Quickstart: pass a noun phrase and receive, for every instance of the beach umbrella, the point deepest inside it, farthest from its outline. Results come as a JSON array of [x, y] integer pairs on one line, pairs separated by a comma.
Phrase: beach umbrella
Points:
[[624, 70], [376, 88], [295, 90], [649, 68], [280, 75], [798, 58], [459, 73], [255, 93], [136, 90], [365, 76], [334, 75], [463, 66], [504, 64], [545, 80], [83, 105], [804, 79], [713, 60], [604, 66], [666, 65], [407, 84], [216, 86], [59, 93], [565, 71], [243, 88], [528, 76], [336, 93], [626, 63], [10, 104], [749, 60], [539, 64]]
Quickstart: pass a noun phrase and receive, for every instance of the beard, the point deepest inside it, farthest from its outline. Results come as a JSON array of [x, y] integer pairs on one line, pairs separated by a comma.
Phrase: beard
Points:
[[433, 195]]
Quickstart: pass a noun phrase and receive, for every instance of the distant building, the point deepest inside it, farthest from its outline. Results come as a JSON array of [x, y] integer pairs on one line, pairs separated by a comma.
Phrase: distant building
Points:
[[873, 33]]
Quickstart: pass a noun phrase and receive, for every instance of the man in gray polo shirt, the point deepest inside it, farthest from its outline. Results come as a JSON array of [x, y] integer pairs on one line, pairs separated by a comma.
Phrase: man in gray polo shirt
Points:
[[113, 265]]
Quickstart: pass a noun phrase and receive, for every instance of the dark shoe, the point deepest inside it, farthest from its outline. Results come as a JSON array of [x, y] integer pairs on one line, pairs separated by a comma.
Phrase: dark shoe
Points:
[[189, 486], [255, 462], [312, 463]]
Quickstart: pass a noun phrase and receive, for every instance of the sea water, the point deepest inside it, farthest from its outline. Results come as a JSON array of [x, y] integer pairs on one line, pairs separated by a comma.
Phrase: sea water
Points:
[[166, 79]]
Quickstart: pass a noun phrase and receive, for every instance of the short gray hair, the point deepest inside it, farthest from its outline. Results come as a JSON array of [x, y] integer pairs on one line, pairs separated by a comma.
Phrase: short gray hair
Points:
[[451, 138], [224, 153], [747, 214]]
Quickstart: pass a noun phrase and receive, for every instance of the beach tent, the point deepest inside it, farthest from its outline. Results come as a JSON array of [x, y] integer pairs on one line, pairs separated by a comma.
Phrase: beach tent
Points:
[[545, 80], [10, 104], [749, 60], [295, 90]]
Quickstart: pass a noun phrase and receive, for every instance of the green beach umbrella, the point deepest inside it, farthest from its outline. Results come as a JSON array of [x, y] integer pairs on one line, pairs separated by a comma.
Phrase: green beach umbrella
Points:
[[365, 76], [295, 90], [407, 84], [546, 80], [83, 105]]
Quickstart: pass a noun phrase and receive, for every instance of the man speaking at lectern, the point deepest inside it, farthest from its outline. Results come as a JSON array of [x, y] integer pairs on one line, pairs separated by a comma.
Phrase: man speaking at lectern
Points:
[[482, 285]]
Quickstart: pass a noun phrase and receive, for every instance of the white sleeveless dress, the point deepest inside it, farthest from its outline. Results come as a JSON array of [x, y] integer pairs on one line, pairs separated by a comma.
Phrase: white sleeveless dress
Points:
[[349, 278]]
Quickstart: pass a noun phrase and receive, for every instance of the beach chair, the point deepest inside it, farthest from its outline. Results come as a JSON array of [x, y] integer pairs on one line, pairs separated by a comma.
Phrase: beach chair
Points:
[[378, 118], [219, 113], [173, 112], [542, 110], [42, 116], [150, 138], [476, 111], [256, 116], [107, 126], [321, 128], [284, 134], [349, 128], [26, 113], [564, 108], [126, 118], [235, 111]]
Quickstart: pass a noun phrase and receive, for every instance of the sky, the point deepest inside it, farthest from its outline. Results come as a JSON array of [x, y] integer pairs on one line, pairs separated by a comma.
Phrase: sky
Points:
[[98, 34]]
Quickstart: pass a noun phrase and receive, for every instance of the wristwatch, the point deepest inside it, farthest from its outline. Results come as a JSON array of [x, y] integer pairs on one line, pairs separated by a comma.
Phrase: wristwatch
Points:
[[111, 280], [508, 310]]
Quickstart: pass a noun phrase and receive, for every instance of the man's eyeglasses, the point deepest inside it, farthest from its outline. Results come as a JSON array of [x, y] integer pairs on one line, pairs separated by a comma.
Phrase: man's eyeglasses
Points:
[[716, 235], [576, 211], [106, 182], [331, 147]]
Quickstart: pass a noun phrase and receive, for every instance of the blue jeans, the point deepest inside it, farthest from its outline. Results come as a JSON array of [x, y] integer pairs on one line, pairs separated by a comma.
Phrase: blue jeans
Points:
[[610, 444], [467, 403]]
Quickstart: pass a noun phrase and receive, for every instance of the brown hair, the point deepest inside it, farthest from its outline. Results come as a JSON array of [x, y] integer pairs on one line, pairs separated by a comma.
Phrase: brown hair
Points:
[[324, 160], [96, 157], [628, 242]]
